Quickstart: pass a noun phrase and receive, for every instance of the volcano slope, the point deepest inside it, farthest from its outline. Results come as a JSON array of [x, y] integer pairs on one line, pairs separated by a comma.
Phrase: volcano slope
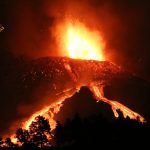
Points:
[[34, 84]]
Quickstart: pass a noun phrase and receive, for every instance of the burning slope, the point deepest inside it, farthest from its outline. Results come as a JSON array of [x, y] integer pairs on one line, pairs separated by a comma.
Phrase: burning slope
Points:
[[58, 78], [93, 74], [83, 43], [61, 77], [99, 94]]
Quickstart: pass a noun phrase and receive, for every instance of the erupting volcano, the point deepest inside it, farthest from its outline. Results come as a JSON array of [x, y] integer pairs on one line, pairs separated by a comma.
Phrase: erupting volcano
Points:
[[79, 42], [83, 64]]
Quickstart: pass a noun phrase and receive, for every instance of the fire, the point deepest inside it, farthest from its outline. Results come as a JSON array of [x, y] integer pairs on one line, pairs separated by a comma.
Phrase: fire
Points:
[[79, 42]]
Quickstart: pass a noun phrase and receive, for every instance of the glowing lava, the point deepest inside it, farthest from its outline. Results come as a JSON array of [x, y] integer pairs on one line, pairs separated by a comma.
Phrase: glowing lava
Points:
[[99, 95], [47, 112], [82, 43], [79, 42]]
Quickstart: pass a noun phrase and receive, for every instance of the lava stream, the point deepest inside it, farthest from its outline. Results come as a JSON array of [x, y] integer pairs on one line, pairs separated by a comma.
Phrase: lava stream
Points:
[[99, 95], [88, 65], [50, 111]]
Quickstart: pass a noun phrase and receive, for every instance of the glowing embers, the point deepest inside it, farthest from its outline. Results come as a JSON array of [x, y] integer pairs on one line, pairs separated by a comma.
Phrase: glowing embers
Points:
[[79, 42]]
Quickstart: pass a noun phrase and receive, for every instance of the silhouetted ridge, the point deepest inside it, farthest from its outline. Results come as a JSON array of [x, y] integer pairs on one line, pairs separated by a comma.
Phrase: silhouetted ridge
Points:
[[84, 103]]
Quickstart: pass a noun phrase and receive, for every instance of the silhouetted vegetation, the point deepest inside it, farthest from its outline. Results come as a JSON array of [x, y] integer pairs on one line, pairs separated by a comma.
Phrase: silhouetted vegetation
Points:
[[92, 132]]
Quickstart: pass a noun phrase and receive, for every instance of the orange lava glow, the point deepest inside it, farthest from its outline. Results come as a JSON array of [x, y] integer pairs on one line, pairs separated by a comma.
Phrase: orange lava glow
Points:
[[47, 112], [99, 95], [79, 42]]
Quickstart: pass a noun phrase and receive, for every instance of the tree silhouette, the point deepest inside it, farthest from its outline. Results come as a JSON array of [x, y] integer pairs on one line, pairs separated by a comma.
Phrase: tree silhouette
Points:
[[9, 143], [39, 131], [76, 127], [58, 134], [93, 132], [22, 136]]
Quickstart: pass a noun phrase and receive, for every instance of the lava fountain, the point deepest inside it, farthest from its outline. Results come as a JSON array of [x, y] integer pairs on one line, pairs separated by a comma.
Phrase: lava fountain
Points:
[[79, 42]]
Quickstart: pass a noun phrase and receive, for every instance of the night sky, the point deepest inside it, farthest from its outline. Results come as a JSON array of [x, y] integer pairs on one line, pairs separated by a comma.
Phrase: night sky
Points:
[[29, 25]]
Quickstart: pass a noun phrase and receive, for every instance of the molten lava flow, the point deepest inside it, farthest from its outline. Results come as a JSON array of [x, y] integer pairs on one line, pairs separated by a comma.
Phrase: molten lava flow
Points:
[[80, 42], [47, 112], [99, 95]]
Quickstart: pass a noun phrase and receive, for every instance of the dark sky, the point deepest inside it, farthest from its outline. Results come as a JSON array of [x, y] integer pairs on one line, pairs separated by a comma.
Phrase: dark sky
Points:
[[29, 24]]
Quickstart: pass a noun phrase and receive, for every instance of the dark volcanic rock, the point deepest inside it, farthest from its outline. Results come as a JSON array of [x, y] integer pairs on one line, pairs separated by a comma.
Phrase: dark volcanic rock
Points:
[[29, 85]]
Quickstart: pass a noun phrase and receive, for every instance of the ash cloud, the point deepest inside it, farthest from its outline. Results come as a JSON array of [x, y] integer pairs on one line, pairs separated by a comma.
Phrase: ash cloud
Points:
[[29, 26]]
